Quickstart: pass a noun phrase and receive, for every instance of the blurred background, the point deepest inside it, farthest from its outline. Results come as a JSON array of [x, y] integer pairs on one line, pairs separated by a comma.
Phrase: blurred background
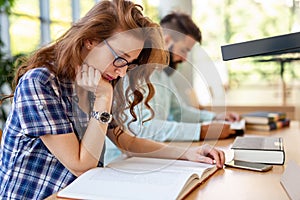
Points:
[[249, 83]]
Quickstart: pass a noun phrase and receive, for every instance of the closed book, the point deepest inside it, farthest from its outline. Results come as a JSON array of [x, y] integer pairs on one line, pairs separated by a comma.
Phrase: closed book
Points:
[[270, 126], [263, 117], [139, 178], [268, 150]]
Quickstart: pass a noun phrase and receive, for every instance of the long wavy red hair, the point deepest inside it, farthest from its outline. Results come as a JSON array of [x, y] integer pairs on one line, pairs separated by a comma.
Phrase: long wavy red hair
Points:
[[63, 56]]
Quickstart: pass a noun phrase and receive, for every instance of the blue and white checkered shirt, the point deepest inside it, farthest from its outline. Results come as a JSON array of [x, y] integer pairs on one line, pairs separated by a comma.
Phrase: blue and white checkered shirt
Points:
[[42, 105]]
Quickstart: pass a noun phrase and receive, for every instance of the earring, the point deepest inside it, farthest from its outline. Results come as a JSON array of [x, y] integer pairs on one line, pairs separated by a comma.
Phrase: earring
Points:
[[88, 47]]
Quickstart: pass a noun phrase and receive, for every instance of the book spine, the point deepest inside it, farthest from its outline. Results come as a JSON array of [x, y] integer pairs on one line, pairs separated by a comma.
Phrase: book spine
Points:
[[279, 124], [282, 123], [270, 126], [276, 117]]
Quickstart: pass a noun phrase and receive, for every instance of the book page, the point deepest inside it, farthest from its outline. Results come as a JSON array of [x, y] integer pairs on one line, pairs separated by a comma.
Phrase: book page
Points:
[[122, 181], [238, 125], [140, 165]]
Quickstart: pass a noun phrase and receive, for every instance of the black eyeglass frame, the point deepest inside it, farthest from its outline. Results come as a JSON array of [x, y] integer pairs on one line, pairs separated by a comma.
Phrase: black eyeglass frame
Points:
[[119, 59]]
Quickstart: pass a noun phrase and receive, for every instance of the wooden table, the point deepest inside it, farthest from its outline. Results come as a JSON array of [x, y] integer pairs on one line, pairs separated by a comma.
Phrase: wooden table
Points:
[[237, 184]]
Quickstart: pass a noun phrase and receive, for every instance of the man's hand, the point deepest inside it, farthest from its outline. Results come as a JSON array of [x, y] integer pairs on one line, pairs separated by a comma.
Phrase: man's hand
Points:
[[215, 130], [231, 116]]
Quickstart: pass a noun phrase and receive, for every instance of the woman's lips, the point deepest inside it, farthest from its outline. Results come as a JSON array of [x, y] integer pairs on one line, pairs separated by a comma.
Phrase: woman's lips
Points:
[[108, 77]]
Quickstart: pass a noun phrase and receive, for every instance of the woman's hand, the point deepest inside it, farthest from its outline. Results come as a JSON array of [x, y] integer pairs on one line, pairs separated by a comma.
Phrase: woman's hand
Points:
[[205, 154], [91, 80], [88, 77]]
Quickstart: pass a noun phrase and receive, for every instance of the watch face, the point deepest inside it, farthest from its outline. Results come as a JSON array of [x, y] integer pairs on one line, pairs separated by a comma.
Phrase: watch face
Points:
[[105, 117]]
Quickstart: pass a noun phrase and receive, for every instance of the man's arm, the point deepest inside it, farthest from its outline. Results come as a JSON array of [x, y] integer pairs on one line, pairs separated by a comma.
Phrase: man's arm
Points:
[[135, 146], [163, 130]]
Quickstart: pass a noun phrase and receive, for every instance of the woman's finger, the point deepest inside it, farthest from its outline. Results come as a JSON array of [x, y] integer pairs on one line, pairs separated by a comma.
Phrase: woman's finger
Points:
[[214, 154], [222, 156], [218, 156], [97, 77], [84, 73], [91, 74], [205, 159]]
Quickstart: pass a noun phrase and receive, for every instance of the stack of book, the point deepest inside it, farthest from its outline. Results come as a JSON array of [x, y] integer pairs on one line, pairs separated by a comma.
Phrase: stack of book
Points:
[[266, 120]]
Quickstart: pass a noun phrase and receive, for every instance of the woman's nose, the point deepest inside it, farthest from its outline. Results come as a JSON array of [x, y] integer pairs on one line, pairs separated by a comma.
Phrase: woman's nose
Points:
[[121, 71]]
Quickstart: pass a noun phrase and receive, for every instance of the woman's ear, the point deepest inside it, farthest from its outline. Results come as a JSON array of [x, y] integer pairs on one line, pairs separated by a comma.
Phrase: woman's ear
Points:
[[90, 44]]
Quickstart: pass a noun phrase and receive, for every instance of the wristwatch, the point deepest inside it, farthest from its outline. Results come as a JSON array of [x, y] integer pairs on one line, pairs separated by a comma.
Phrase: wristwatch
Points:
[[102, 117]]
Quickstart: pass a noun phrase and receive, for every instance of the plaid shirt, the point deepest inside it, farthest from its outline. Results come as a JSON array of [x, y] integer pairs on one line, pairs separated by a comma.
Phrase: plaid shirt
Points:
[[42, 105]]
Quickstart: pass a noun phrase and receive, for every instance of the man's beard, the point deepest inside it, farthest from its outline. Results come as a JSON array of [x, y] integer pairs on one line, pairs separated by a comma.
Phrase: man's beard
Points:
[[172, 64]]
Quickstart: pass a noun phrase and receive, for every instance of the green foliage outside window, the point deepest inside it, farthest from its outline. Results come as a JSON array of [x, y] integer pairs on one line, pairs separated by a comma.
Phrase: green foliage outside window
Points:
[[6, 62]]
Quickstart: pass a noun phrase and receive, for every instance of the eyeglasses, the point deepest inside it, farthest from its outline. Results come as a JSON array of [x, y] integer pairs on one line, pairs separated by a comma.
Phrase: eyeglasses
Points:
[[119, 61]]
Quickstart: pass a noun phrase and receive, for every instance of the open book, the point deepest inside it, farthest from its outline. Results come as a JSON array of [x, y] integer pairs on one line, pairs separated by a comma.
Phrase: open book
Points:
[[139, 178]]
